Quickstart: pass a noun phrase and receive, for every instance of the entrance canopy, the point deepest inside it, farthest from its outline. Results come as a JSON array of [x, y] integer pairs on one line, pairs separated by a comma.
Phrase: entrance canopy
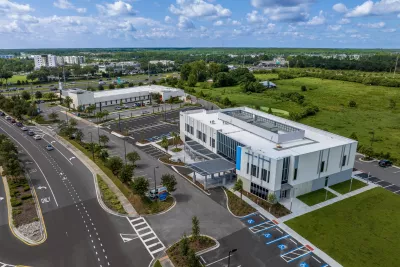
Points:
[[210, 167], [200, 149]]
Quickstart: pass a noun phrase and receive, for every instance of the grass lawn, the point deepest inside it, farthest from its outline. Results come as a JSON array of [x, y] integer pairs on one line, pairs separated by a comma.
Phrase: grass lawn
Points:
[[15, 78], [332, 98], [359, 231], [344, 187], [316, 197], [237, 206]]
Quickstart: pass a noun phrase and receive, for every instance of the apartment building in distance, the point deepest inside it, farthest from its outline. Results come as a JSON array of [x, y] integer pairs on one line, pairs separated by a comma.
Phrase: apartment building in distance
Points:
[[271, 154], [54, 61]]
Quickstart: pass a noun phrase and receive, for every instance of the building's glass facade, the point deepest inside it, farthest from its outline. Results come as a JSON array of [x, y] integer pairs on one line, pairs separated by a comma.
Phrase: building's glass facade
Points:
[[226, 147]]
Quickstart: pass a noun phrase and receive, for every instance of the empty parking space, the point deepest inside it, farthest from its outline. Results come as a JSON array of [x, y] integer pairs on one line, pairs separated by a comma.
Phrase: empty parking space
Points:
[[262, 243], [153, 151]]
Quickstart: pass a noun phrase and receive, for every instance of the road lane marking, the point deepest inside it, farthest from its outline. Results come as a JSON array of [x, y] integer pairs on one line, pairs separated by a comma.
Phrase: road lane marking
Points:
[[36, 165]]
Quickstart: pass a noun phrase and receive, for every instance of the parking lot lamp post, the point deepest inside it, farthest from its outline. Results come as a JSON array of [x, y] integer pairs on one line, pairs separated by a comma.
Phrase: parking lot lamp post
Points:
[[229, 255], [119, 122], [66, 115], [91, 144], [155, 184], [351, 183], [326, 193], [125, 150], [98, 133]]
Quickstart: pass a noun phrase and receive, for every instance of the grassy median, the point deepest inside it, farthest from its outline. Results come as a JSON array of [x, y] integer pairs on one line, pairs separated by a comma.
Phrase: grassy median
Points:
[[358, 231]]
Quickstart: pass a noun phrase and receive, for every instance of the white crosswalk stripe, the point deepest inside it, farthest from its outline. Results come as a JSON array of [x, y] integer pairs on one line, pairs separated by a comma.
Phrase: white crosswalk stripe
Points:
[[2, 264], [146, 235]]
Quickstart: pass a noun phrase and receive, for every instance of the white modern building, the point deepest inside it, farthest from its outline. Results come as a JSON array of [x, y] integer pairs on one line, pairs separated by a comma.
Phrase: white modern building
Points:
[[52, 61], [163, 62], [140, 94], [74, 60], [40, 61], [271, 154]]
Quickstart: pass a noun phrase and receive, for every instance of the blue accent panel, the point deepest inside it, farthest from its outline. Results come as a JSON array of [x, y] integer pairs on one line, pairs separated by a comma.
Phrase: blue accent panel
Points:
[[238, 157]]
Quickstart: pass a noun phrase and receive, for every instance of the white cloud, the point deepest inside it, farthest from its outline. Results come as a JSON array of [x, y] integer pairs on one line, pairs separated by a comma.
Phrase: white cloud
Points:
[[118, 8], [284, 10], [371, 8], [7, 7], [344, 21], [255, 17], [389, 30], [168, 19], [360, 36], [267, 3], [377, 25], [65, 4], [199, 9], [236, 23], [317, 20], [185, 23], [218, 23], [24, 18], [339, 7], [334, 27]]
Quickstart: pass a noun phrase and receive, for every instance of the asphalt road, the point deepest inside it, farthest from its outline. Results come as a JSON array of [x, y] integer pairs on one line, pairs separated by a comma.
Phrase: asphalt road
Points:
[[80, 232], [390, 174]]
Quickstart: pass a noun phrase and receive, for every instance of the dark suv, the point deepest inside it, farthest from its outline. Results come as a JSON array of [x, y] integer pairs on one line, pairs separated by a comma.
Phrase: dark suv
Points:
[[385, 163]]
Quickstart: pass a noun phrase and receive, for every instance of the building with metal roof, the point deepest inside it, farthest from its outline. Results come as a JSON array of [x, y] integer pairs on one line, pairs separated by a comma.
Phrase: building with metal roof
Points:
[[271, 154]]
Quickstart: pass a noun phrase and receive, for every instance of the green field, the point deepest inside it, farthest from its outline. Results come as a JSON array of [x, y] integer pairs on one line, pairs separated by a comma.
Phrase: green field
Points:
[[344, 187], [15, 78], [359, 231], [332, 98], [316, 197]]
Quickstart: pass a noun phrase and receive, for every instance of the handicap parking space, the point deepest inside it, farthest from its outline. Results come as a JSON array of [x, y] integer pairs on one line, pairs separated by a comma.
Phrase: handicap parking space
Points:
[[383, 183], [394, 189], [253, 219], [374, 179]]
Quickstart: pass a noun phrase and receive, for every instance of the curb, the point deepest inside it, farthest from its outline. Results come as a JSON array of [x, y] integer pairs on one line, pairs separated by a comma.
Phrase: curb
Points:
[[14, 231], [162, 212], [173, 167], [201, 252], [227, 206]]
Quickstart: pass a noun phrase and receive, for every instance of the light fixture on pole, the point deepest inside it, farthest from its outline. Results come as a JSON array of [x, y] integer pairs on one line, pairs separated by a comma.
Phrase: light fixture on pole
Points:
[[155, 183], [229, 255], [91, 144]]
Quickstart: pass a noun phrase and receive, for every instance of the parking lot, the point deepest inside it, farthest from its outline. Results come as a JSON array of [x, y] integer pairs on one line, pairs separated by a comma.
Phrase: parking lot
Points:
[[153, 151], [372, 179], [261, 243]]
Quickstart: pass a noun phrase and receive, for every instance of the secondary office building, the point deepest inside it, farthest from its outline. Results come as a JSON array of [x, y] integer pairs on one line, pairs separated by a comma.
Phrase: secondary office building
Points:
[[140, 94], [271, 154]]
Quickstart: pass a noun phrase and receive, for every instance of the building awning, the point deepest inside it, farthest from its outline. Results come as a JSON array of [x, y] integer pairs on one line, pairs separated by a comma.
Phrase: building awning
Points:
[[209, 167], [200, 150], [286, 187]]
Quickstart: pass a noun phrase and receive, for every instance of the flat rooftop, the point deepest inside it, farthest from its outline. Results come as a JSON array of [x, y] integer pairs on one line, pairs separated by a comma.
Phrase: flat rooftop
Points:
[[313, 140]]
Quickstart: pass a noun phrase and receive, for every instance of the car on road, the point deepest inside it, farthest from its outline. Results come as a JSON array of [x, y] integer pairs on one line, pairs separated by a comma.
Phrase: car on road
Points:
[[145, 112], [31, 133], [13, 121], [24, 128], [385, 163], [2, 113], [118, 108], [49, 147], [125, 106], [37, 137], [8, 118], [19, 124], [53, 89]]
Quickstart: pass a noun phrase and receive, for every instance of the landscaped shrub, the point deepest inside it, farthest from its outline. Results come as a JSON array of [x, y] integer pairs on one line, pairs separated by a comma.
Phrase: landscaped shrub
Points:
[[26, 196], [15, 202], [352, 104]]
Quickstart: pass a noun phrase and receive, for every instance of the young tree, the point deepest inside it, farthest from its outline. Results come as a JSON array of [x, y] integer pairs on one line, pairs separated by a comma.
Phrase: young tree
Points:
[[169, 181], [164, 143], [193, 260], [369, 152], [192, 80], [73, 122], [103, 155], [239, 186], [53, 116], [126, 173], [303, 88], [195, 228], [272, 198], [184, 245], [175, 138], [38, 94], [25, 95], [106, 113], [104, 139], [133, 157], [140, 186], [68, 101], [115, 164], [352, 104], [79, 135], [90, 109], [51, 96], [270, 111]]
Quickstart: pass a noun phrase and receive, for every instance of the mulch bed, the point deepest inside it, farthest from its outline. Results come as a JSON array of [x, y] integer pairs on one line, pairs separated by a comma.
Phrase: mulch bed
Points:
[[278, 210], [238, 206], [23, 205]]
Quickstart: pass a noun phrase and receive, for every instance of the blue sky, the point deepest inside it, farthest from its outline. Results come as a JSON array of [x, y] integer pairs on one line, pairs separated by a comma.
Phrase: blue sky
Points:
[[199, 23]]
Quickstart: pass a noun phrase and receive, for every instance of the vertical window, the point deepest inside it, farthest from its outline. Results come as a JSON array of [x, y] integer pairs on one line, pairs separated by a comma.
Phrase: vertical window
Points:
[[268, 177], [213, 142], [258, 172], [295, 174], [204, 137], [326, 181], [321, 169], [247, 169], [264, 174], [253, 170], [344, 160]]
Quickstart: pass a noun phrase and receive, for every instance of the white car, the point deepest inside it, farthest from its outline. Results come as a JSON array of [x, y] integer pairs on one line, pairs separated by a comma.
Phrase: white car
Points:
[[24, 128], [37, 137]]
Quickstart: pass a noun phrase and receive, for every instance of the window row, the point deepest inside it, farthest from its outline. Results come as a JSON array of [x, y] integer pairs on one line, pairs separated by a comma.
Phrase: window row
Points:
[[259, 191], [255, 171]]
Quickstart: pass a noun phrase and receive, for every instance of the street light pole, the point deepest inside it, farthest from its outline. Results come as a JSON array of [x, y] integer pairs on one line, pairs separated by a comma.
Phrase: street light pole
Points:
[[155, 183], [326, 193], [229, 255], [91, 144], [125, 150], [119, 122], [98, 134]]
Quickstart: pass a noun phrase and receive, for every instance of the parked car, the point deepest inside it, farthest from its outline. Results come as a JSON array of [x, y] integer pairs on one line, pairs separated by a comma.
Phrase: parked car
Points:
[[19, 124], [21, 89], [385, 163], [53, 89], [37, 137], [2, 113], [145, 112], [125, 106], [31, 133], [49, 147], [118, 108], [8, 118], [13, 121], [24, 128]]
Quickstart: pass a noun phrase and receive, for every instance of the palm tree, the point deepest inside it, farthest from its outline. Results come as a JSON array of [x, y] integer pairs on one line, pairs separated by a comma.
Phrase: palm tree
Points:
[[106, 113], [99, 116], [175, 139], [68, 101], [90, 109]]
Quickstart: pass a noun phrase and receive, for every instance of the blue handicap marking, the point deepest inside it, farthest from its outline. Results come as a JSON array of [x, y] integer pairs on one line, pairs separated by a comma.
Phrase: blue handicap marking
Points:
[[250, 221], [267, 235], [303, 264], [281, 247]]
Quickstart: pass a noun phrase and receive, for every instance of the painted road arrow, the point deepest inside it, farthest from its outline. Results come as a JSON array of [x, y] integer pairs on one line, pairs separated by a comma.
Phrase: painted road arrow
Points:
[[41, 187], [128, 237], [71, 158]]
